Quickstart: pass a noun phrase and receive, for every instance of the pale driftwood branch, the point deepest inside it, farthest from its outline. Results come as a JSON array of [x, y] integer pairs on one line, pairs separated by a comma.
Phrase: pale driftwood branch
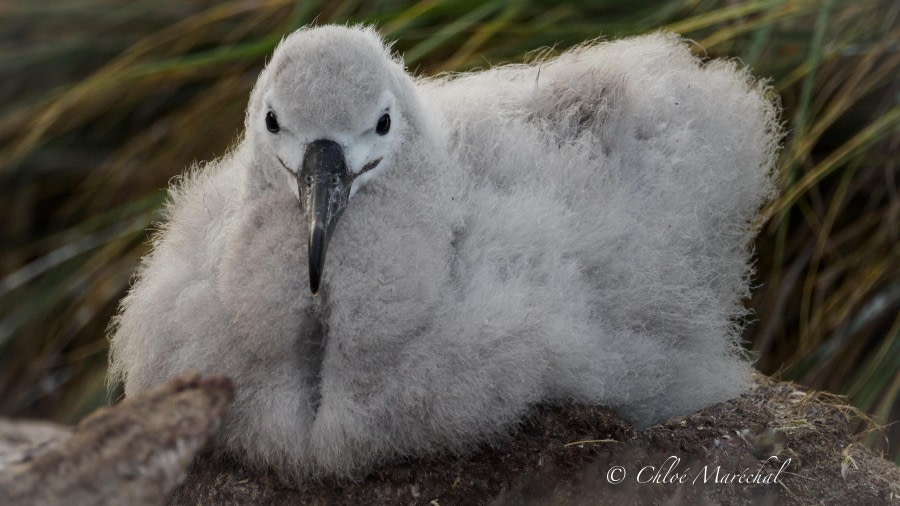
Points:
[[133, 453]]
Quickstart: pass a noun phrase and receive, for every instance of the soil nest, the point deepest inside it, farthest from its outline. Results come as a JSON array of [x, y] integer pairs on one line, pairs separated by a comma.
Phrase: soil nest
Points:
[[775, 444]]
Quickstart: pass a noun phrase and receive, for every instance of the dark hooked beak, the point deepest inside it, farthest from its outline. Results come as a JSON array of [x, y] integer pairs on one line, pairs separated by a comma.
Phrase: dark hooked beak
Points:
[[324, 184]]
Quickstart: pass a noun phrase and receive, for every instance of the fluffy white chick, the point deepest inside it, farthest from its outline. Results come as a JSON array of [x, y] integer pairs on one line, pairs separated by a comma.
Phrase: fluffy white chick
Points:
[[388, 266]]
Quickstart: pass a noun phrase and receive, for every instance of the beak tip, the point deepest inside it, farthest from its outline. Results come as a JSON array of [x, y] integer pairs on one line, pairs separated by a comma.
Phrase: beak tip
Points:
[[318, 242], [314, 281]]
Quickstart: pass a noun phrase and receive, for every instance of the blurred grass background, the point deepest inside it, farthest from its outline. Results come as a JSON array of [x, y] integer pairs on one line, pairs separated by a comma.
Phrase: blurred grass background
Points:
[[103, 101]]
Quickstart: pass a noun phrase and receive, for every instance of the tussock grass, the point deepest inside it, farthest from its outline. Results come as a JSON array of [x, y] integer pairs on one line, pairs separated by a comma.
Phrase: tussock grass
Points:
[[104, 101]]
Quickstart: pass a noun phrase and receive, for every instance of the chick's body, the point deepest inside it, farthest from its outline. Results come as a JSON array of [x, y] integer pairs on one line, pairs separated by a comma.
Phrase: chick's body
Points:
[[575, 229]]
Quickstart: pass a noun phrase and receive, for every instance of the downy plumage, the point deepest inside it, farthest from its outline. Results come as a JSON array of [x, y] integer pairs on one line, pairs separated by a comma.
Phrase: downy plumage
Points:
[[573, 229]]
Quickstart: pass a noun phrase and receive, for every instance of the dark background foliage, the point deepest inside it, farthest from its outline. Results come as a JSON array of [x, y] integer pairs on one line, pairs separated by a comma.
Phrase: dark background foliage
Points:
[[103, 101]]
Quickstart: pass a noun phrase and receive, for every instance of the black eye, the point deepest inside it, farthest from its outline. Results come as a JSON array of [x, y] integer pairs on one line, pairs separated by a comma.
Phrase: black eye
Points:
[[272, 122], [384, 124], [309, 180]]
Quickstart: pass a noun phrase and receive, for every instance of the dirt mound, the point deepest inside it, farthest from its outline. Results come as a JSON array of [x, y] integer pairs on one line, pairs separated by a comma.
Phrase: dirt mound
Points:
[[776, 444]]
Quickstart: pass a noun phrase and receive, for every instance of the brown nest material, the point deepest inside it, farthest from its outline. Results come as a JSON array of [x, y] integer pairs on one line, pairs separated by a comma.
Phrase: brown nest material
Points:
[[776, 444]]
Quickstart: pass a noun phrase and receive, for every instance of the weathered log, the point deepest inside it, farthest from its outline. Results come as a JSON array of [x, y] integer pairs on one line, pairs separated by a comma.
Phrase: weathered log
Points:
[[134, 453]]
